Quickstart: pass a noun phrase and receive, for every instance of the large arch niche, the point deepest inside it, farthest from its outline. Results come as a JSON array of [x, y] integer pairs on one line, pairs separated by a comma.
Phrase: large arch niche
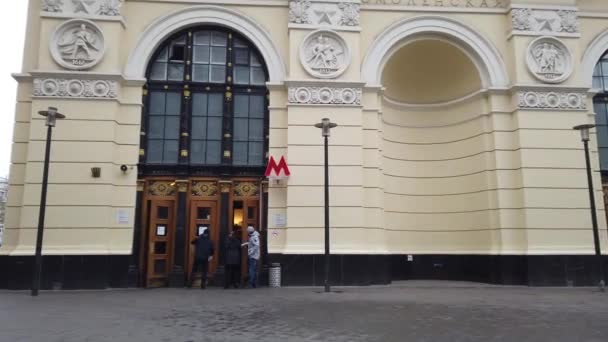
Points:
[[160, 29], [436, 149]]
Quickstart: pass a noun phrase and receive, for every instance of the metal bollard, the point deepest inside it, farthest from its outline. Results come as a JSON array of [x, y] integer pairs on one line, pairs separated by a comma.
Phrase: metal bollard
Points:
[[274, 275]]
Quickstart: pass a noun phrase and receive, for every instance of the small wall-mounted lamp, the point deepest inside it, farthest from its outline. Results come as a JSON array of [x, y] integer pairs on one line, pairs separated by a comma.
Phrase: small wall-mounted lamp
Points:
[[96, 172]]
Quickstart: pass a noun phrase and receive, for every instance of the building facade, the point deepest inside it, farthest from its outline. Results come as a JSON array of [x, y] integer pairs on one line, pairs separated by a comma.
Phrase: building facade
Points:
[[454, 157]]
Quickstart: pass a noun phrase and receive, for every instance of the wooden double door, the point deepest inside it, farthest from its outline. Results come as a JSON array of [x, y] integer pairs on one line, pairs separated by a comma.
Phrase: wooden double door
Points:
[[206, 205]]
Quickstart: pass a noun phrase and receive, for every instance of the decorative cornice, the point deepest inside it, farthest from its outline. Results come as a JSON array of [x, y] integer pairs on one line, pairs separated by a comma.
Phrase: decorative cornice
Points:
[[324, 96], [70, 88], [552, 100], [542, 21], [79, 8], [315, 14]]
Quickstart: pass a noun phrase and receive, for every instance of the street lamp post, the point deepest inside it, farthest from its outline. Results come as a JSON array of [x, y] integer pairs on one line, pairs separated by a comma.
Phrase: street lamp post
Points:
[[584, 129], [326, 126], [51, 118]]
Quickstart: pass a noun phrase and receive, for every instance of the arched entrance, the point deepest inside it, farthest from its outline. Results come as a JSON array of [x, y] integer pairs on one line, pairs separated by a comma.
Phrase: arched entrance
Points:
[[204, 144]]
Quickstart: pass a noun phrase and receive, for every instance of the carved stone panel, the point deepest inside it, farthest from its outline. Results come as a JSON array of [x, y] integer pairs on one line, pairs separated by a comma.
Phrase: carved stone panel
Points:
[[246, 189], [161, 188], [324, 13], [552, 100], [324, 54], [75, 88], [544, 21], [549, 60], [325, 95], [83, 7], [77, 44]]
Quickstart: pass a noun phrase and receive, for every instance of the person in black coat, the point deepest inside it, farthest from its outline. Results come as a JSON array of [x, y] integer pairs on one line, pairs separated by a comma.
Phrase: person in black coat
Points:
[[203, 254], [233, 260]]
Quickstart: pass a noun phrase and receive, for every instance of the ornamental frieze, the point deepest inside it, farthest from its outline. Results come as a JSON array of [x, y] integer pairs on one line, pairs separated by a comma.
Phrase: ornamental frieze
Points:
[[440, 3], [77, 44], [544, 21], [75, 88], [549, 60], [324, 96], [207, 189], [552, 100], [324, 13], [83, 7]]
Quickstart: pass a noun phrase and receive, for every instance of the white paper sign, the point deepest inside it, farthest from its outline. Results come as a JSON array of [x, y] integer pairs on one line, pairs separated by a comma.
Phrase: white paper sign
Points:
[[201, 229], [280, 220], [123, 216]]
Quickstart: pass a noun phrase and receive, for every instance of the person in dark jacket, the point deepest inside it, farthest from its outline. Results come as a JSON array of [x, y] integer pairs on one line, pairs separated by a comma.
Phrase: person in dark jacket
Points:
[[203, 254], [233, 260]]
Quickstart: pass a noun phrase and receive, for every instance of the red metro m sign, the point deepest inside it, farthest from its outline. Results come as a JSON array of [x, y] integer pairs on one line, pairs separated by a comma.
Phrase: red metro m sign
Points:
[[277, 171]]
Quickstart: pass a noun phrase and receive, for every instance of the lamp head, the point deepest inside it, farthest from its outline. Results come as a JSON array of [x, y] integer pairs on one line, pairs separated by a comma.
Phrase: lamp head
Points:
[[584, 129], [326, 125], [51, 116]]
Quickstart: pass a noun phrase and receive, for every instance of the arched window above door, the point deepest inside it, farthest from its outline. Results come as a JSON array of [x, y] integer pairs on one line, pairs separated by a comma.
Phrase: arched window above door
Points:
[[600, 103], [206, 102]]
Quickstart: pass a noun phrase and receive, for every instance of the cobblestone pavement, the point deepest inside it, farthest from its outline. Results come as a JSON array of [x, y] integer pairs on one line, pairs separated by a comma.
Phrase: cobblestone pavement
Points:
[[412, 311]]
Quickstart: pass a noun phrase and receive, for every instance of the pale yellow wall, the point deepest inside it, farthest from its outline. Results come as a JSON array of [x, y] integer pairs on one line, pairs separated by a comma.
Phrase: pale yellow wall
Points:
[[474, 176]]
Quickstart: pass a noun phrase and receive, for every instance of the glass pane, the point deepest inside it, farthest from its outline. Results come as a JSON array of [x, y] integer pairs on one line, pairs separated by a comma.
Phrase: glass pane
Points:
[[159, 71], [199, 128], [180, 40], [172, 127], [255, 153], [203, 213], [602, 136], [216, 104], [171, 151], [157, 127], [174, 103], [214, 152], [256, 109], [201, 54], [162, 56], [241, 75], [239, 153], [605, 80], [201, 37], [251, 213], [157, 103], [154, 153], [241, 56], [178, 53], [200, 73], [258, 76], [240, 43], [162, 213], [199, 104], [604, 68], [241, 106], [215, 128], [197, 152], [218, 55], [219, 38], [256, 130], [175, 72], [218, 74], [604, 158], [160, 247], [600, 111], [255, 60], [160, 267], [597, 83], [240, 129]]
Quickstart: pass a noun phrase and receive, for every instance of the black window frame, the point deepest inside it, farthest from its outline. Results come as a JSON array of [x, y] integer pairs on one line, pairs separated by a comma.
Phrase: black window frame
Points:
[[188, 88]]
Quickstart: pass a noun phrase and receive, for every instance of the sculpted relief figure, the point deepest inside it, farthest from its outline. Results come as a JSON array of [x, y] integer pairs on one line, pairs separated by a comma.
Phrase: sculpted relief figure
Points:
[[546, 57], [77, 45], [324, 57], [549, 60], [110, 7], [52, 5]]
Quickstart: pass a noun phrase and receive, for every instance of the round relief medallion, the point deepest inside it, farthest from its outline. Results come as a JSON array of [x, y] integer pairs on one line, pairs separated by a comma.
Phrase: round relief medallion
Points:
[[349, 96], [50, 87], [531, 99], [75, 88], [549, 60], [101, 88], [325, 95], [77, 44], [553, 100], [574, 100], [303, 95], [324, 54]]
